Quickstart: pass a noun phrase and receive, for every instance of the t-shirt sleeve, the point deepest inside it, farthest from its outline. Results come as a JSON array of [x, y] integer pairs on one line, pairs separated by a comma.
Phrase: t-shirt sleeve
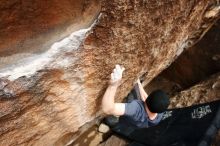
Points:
[[131, 108], [157, 120]]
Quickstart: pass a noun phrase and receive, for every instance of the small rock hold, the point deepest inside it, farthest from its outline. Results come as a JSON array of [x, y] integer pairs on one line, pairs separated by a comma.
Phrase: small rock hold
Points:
[[216, 57], [8, 93], [2, 84], [216, 85], [213, 12], [131, 22], [103, 128]]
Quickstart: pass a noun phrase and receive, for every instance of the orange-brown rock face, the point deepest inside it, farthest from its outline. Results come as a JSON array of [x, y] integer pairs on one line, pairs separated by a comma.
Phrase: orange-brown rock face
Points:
[[47, 93], [32, 26], [197, 62], [206, 91]]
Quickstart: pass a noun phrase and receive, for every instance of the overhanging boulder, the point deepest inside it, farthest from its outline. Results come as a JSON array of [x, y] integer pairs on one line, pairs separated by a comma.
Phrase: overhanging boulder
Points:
[[47, 93]]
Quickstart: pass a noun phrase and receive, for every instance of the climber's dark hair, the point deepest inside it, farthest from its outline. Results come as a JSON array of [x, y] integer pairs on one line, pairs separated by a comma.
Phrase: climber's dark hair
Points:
[[157, 101]]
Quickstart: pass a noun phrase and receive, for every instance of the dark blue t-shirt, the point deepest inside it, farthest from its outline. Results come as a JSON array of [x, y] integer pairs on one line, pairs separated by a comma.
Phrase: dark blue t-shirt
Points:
[[136, 115]]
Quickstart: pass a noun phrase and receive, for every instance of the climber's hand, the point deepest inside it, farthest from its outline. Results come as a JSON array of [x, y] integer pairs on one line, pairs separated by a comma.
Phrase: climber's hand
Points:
[[138, 81], [116, 75]]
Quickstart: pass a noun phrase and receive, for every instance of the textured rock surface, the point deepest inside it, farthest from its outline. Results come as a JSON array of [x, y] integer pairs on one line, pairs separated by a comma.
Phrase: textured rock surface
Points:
[[203, 92], [194, 65], [32, 26], [198, 62], [89, 138], [114, 140], [49, 105]]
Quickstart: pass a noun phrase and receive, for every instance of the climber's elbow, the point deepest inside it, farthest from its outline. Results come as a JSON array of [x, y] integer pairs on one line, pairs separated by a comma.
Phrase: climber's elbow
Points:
[[107, 110], [117, 109]]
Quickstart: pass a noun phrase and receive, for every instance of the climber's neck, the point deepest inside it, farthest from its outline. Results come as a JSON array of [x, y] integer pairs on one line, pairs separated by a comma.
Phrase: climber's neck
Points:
[[151, 115]]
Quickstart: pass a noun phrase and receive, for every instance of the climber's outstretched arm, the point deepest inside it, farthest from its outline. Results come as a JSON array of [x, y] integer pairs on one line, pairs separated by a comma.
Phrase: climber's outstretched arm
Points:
[[108, 102], [142, 91]]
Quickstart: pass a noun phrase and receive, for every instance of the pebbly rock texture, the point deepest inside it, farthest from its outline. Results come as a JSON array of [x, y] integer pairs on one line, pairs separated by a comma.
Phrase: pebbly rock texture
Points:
[[197, 62], [194, 65], [141, 36], [203, 92], [50, 92], [114, 140], [32, 26]]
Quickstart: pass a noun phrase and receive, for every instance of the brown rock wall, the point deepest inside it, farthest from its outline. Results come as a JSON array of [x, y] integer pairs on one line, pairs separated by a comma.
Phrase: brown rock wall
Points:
[[203, 92], [144, 36], [29, 27], [48, 106], [197, 62]]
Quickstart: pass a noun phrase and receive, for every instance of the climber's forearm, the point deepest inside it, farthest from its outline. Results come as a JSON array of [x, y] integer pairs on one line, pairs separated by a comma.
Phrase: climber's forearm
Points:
[[108, 100], [142, 92]]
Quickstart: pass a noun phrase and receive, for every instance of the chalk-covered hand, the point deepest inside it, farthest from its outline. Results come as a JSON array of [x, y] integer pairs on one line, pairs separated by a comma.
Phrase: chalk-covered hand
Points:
[[116, 75], [138, 81]]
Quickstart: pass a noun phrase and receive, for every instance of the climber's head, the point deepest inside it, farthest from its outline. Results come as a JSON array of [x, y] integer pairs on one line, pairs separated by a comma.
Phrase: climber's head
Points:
[[157, 101]]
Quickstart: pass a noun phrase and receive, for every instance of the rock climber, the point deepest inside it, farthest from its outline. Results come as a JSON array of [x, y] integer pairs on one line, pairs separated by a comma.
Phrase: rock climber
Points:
[[140, 112]]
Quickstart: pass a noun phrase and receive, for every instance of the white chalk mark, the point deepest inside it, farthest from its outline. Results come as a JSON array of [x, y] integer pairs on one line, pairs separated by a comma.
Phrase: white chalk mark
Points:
[[28, 66]]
